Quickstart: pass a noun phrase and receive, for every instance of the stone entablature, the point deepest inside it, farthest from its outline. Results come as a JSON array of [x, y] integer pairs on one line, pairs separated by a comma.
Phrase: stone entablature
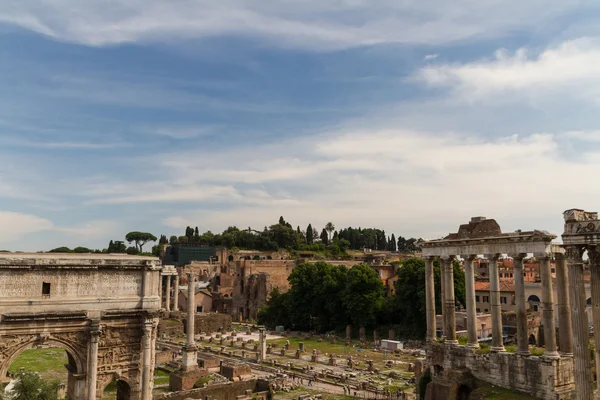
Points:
[[536, 376], [102, 309]]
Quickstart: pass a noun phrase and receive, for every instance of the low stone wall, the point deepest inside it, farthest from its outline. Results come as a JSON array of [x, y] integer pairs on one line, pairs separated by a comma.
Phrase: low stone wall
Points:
[[209, 323], [226, 391], [536, 376]]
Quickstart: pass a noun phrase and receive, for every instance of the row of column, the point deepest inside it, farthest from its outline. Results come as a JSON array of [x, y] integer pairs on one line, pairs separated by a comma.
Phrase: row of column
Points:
[[171, 279], [579, 317], [449, 305]]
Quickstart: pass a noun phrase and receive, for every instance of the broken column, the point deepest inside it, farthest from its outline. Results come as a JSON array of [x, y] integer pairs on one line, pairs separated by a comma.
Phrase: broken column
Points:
[[301, 347], [314, 357], [190, 358], [168, 295], [332, 360], [176, 296], [362, 334], [262, 344], [594, 257], [392, 333]]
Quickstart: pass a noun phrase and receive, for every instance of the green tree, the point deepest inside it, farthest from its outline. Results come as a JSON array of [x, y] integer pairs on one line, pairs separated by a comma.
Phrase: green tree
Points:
[[140, 239], [329, 228], [81, 249], [61, 250], [30, 386], [393, 245], [363, 295], [173, 239], [324, 237], [309, 234], [276, 310]]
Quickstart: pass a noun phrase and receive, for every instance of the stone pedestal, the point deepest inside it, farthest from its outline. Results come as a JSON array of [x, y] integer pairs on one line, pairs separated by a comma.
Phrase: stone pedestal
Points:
[[392, 334], [301, 347], [349, 332], [189, 358], [362, 334], [332, 360], [282, 352]]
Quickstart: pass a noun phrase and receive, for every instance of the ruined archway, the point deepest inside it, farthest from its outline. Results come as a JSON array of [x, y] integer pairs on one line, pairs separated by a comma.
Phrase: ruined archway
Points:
[[12, 347], [117, 389], [532, 341], [101, 309]]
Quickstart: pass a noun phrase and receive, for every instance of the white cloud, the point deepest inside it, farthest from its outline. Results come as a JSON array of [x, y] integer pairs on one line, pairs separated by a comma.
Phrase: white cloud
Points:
[[568, 67], [13, 226], [308, 24], [430, 57]]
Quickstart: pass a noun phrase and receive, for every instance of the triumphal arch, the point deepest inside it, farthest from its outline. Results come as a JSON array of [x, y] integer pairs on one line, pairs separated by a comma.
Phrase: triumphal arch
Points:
[[102, 309]]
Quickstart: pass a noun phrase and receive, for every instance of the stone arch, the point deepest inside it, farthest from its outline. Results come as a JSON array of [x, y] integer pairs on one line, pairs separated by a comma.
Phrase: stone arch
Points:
[[533, 298], [463, 392], [589, 301], [74, 353], [123, 385], [230, 258]]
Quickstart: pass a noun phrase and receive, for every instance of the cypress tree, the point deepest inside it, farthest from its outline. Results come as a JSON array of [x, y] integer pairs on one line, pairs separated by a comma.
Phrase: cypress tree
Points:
[[309, 234]]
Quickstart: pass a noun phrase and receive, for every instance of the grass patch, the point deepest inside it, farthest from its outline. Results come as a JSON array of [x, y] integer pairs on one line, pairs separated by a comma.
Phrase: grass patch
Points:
[[537, 351], [49, 363], [161, 377], [483, 348]]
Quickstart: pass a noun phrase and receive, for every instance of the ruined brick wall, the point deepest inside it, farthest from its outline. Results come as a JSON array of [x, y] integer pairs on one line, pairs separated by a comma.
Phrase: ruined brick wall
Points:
[[536, 376], [254, 280], [212, 322]]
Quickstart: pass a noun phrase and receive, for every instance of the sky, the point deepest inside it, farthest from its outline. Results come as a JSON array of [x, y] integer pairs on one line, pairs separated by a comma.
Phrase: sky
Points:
[[409, 116]]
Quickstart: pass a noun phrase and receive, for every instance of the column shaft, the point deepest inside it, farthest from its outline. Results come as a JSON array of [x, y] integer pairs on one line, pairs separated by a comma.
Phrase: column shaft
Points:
[[522, 339], [497, 341], [443, 295], [168, 298], [160, 289], [430, 299], [450, 302], [579, 320], [147, 369], [93, 362], [176, 296], [548, 312], [563, 307], [594, 256], [470, 298], [191, 308]]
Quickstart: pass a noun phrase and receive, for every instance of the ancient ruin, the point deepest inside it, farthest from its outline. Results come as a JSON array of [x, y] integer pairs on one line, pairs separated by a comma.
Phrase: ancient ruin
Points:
[[548, 377], [102, 309]]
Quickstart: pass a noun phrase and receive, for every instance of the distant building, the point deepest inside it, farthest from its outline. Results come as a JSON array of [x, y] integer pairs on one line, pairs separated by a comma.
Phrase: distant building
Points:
[[482, 296], [183, 253]]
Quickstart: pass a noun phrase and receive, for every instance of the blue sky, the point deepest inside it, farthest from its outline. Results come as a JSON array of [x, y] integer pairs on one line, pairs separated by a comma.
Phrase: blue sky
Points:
[[411, 116]]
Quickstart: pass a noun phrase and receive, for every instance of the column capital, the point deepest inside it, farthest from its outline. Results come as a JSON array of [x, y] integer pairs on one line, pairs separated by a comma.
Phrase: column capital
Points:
[[574, 253], [190, 276], [519, 256], [494, 256], [593, 252], [543, 256], [470, 257], [429, 258]]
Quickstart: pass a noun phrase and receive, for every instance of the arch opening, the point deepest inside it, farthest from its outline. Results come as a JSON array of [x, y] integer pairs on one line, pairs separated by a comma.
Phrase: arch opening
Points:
[[53, 360], [532, 340], [117, 389], [533, 298]]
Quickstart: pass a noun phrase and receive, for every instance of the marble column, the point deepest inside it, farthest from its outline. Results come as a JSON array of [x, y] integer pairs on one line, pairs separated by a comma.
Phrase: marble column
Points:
[[160, 289], [495, 306], [176, 296], [449, 303], [443, 295], [168, 297], [430, 299], [470, 298], [190, 359], [92, 364], [548, 311], [147, 367], [522, 337], [594, 257], [582, 363], [563, 307]]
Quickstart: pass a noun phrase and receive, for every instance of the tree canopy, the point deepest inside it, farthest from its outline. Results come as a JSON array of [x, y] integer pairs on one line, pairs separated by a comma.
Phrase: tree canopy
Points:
[[140, 239], [30, 386]]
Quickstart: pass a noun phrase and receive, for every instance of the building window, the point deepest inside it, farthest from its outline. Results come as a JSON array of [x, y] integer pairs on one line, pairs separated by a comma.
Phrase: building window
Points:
[[199, 308], [486, 310], [502, 300], [486, 299], [477, 299], [46, 289], [535, 307], [478, 310], [553, 270]]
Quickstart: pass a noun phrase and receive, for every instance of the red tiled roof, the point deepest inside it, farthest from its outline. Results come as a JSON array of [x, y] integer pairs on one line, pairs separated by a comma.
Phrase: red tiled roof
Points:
[[484, 286]]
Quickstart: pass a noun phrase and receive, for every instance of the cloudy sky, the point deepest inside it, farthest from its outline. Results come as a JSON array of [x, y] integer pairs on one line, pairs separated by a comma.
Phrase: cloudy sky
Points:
[[407, 115]]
